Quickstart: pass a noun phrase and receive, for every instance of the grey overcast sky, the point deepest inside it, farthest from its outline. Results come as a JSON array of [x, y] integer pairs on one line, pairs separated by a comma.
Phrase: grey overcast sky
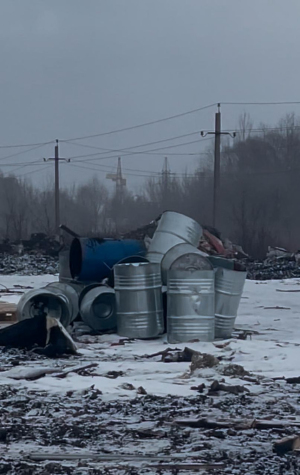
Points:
[[71, 68]]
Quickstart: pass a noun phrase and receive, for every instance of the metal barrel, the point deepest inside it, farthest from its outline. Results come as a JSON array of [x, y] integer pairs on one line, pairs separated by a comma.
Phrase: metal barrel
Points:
[[229, 286], [64, 266], [184, 257], [98, 308], [127, 260], [91, 260], [139, 300], [173, 228], [191, 306], [56, 300]]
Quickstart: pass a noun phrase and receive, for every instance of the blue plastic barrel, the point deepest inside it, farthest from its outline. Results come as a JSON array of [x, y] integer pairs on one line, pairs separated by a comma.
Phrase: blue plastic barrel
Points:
[[92, 259]]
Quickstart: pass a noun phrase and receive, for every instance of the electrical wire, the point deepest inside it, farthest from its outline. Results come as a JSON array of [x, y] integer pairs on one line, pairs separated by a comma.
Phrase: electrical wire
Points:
[[27, 145], [22, 152], [29, 172], [128, 149], [146, 152], [143, 124], [260, 103]]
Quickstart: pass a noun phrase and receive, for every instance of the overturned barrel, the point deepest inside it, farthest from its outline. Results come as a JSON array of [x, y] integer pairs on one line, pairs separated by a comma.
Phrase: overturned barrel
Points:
[[191, 305], [184, 257], [98, 308], [57, 300], [139, 300], [91, 260], [229, 285], [173, 228]]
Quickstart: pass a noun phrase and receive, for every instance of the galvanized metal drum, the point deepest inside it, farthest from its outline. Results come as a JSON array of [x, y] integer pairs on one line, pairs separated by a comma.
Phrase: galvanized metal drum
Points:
[[98, 308], [56, 300], [229, 286], [191, 306], [139, 300], [183, 257], [173, 228], [127, 260]]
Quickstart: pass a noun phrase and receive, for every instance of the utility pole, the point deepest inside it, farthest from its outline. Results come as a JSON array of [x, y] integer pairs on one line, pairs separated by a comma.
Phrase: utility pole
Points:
[[56, 160], [217, 163], [165, 175], [57, 209]]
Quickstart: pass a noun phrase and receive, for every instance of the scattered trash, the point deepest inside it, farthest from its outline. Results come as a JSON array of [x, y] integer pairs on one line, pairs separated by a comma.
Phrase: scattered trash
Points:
[[44, 334], [237, 389], [287, 444], [203, 360]]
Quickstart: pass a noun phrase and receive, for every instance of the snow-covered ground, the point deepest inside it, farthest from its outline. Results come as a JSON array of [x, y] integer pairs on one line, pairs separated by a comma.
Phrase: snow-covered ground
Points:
[[92, 413], [272, 309]]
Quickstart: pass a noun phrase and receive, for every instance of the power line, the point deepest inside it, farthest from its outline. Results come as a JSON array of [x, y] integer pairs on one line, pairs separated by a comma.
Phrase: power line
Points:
[[141, 125], [20, 163], [128, 149], [260, 103], [139, 153], [22, 152], [34, 171], [27, 145]]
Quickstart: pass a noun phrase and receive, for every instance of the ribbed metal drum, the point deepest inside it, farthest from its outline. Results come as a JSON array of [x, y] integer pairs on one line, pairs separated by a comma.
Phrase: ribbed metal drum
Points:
[[183, 257], [139, 300], [98, 308], [173, 228], [56, 300], [229, 286], [191, 306]]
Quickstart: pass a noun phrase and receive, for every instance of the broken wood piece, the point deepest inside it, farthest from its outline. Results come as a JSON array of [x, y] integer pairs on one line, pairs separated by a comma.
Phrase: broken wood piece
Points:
[[292, 380], [31, 374], [277, 308], [76, 369], [287, 444], [161, 353], [187, 466], [222, 345], [238, 425], [295, 380], [289, 290], [39, 457], [236, 389]]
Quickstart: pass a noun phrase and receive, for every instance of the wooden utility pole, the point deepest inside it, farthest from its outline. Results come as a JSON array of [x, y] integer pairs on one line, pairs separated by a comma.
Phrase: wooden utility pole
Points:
[[217, 163], [56, 160], [217, 166], [57, 209]]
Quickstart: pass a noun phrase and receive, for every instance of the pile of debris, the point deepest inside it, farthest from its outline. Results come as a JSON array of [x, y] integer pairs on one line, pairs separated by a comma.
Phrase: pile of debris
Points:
[[28, 264], [144, 289], [279, 264], [39, 243]]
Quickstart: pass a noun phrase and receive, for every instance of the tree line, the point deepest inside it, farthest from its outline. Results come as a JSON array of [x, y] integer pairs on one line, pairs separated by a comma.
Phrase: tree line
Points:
[[260, 195]]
